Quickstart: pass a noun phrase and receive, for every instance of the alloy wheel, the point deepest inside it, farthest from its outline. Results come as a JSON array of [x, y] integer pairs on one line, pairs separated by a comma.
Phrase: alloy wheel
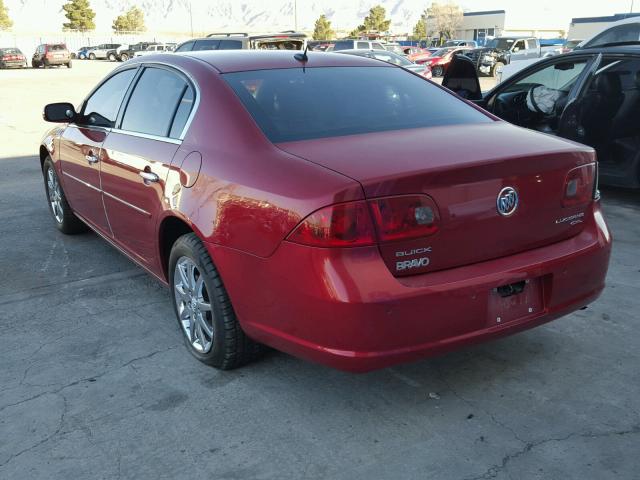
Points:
[[55, 195], [194, 305]]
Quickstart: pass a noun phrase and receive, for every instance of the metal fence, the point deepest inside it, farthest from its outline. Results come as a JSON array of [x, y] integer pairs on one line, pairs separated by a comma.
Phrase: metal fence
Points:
[[74, 40]]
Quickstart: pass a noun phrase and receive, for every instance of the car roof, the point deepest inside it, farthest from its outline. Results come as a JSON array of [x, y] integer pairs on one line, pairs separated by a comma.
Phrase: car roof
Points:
[[614, 49], [226, 61]]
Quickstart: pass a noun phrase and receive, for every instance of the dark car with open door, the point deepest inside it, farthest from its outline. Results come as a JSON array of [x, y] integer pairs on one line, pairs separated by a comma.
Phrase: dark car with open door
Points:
[[591, 96]]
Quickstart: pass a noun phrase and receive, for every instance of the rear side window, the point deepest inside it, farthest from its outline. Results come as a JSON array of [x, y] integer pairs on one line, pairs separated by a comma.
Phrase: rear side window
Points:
[[377, 46], [362, 45], [230, 45], [102, 106], [629, 32], [343, 45], [182, 112], [154, 102], [206, 45], [299, 104]]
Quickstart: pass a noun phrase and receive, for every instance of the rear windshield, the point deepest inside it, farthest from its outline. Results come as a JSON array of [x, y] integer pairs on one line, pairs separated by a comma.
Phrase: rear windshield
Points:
[[299, 104], [344, 45], [10, 51], [53, 48]]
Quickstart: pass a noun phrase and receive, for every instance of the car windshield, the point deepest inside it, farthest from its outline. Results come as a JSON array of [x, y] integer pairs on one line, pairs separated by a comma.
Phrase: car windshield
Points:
[[501, 43], [626, 33], [299, 104], [442, 52]]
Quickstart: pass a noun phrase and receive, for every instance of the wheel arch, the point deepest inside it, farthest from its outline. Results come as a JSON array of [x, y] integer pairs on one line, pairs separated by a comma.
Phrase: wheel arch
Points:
[[170, 229]]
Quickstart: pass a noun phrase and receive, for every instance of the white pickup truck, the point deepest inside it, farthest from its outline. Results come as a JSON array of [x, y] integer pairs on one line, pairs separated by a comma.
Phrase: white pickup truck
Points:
[[501, 51]]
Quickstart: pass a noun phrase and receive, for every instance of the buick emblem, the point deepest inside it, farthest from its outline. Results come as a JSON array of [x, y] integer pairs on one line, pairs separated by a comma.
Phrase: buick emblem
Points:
[[507, 201]]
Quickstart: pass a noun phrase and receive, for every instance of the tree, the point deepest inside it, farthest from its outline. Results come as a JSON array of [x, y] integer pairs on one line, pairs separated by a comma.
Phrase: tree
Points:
[[131, 21], [443, 19], [420, 29], [376, 21], [5, 21], [79, 14], [322, 30]]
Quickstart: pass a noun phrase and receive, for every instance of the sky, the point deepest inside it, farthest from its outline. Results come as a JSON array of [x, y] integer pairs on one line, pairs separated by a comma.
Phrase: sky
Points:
[[261, 15]]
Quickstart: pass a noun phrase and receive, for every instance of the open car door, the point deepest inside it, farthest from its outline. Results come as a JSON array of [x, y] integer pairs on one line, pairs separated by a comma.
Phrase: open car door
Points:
[[461, 78]]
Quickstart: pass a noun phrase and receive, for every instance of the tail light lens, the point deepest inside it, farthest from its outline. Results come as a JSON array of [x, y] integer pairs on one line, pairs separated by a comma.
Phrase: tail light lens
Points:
[[579, 185], [350, 224], [341, 225], [404, 217]]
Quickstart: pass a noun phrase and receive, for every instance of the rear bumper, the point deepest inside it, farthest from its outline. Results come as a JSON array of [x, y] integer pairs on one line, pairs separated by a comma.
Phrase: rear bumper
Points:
[[343, 308], [13, 64]]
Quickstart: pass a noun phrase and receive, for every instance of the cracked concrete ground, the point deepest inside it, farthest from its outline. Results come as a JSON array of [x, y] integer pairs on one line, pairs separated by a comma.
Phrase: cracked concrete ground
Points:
[[96, 384]]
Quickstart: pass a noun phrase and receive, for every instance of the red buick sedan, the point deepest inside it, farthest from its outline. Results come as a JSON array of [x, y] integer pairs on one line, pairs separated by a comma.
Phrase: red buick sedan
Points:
[[289, 201]]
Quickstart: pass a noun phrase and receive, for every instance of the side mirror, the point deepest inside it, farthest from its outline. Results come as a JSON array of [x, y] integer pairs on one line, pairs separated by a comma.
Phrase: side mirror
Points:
[[461, 78], [59, 112]]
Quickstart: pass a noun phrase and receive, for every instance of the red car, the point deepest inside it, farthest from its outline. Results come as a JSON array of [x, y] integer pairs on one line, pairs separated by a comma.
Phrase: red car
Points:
[[289, 201], [439, 61]]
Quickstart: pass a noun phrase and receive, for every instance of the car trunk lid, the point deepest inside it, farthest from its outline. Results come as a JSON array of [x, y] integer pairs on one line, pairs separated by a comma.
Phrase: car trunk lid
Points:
[[463, 169]]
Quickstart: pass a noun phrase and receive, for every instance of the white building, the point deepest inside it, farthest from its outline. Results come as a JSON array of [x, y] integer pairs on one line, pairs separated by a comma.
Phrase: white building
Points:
[[479, 26]]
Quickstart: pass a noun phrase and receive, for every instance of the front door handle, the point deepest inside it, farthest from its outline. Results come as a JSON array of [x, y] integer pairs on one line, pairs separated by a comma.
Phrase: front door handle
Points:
[[149, 177], [91, 158]]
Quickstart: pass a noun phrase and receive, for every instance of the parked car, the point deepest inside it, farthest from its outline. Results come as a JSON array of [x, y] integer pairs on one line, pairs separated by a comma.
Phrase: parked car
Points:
[[340, 222], [394, 47], [570, 45], [439, 61], [11, 57], [154, 48], [50, 54], [623, 32], [591, 96], [392, 58], [461, 43], [501, 51], [243, 41], [83, 53], [125, 52], [104, 51], [357, 45]]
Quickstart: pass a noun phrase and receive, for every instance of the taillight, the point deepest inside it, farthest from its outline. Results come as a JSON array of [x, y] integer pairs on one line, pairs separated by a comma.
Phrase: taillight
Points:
[[579, 185], [341, 225], [351, 224], [404, 217]]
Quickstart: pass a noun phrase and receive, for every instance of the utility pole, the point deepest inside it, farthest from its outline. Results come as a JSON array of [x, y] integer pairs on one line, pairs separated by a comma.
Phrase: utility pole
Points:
[[295, 14], [191, 17], [631, 10]]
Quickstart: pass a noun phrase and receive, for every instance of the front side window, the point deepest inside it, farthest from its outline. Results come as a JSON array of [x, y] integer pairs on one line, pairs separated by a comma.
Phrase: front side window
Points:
[[518, 46], [101, 109], [377, 46], [154, 102], [230, 45], [362, 45], [299, 104]]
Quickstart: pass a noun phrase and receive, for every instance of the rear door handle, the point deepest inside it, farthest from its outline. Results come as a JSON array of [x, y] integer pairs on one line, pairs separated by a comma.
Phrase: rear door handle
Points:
[[149, 177], [91, 158]]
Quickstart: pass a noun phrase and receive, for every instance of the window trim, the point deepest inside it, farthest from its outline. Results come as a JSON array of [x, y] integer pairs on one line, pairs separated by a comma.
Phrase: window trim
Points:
[[125, 101]]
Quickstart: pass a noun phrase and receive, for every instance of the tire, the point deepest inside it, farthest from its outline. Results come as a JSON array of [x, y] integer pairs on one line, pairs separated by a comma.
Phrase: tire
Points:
[[438, 71], [34, 64], [70, 64], [63, 216], [112, 57], [228, 346], [124, 57], [92, 56], [73, 56], [496, 67], [46, 64]]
